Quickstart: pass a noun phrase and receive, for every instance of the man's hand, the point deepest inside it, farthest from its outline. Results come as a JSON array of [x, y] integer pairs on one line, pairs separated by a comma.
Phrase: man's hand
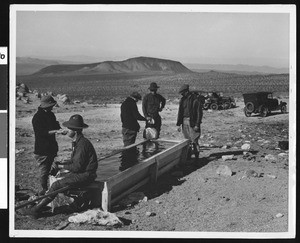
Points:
[[62, 131], [54, 168], [179, 128], [196, 129]]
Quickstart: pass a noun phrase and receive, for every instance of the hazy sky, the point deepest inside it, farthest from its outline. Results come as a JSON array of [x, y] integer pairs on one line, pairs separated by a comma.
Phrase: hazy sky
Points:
[[207, 38]]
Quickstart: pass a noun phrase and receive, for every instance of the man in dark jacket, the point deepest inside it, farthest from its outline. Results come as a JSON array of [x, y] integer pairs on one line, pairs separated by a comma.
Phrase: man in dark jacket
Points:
[[153, 103], [190, 117], [82, 166], [129, 117], [45, 127]]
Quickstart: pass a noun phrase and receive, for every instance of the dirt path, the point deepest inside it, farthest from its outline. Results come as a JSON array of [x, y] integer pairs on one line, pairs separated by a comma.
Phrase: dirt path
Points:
[[198, 199]]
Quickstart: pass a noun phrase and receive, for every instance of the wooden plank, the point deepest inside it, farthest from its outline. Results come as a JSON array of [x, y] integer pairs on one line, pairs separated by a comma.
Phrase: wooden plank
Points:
[[153, 171], [106, 197], [135, 187], [169, 158], [168, 166], [168, 141]]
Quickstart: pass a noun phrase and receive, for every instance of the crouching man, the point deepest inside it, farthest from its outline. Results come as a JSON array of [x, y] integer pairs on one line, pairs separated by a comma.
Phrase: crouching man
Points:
[[82, 166]]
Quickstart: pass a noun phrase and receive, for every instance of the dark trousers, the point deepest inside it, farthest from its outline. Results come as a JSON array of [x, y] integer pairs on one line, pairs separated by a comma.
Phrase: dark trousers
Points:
[[157, 123], [129, 136], [44, 163]]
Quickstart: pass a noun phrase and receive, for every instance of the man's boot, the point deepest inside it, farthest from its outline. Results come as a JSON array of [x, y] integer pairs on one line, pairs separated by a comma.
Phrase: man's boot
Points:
[[34, 211]]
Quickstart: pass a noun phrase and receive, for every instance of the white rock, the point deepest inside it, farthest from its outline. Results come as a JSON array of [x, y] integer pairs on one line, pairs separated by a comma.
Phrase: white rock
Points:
[[246, 146], [243, 135], [282, 154], [225, 147], [227, 157], [272, 176], [95, 216], [279, 215], [224, 170], [270, 157]]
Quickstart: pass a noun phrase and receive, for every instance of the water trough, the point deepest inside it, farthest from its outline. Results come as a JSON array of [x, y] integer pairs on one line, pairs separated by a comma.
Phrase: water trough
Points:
[[115, 185]]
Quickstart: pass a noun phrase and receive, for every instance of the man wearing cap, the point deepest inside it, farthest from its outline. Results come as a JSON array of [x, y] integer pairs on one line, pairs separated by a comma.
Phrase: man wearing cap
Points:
[[82, 166], [129, 118], [190, 117], [45, 127], [152, 104]]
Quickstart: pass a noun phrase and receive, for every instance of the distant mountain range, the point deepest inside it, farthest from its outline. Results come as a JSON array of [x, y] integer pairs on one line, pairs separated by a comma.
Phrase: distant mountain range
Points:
[[36, 66], [239, 69]]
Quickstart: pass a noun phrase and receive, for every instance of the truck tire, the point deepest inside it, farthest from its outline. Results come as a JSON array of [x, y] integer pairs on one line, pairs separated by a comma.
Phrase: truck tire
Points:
[[283, 109], [214, 106], [226, 105], [247, 113], [250, 107], [205, 106], [263, 110]]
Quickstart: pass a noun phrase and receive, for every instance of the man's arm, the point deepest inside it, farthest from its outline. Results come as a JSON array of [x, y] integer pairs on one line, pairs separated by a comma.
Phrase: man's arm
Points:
[[136, 113], [162, 102]]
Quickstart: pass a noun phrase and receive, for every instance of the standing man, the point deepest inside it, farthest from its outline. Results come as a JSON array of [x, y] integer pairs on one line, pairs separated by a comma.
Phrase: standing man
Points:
[[190, 117], [153, 103], [129, 117], [45, 127], [82, 166]]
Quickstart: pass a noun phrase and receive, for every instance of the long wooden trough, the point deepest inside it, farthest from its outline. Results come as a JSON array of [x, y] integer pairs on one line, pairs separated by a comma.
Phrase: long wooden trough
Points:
[[108, 191], [114, 188]]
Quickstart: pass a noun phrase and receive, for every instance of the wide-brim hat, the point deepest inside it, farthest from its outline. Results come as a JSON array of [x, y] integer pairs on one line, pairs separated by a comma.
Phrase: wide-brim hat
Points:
[[136, 95], [75, 122], [183, 88], [47, 101], [153, 86]]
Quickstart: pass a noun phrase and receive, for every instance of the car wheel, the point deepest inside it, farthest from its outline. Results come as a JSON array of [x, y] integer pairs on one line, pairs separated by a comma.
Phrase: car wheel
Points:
[[263, 111], [226, 105], [206, 106], [283, 109], [214, 106], [250, 106], [247, 113]]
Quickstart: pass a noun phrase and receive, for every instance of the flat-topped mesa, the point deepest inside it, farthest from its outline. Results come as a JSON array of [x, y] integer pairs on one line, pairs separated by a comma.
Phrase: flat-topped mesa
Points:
[[132, 65]]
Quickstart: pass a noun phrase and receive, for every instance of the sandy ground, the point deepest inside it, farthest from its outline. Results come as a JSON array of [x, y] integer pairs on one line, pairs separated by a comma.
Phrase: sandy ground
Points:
[[195, 198]]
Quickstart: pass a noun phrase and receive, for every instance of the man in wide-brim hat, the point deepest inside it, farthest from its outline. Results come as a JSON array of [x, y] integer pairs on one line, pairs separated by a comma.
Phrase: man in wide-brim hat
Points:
[[45, 127], [82, 165], [152, 104]]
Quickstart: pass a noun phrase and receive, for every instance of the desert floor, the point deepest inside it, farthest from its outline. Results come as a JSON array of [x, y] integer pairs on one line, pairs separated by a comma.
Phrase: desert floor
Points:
[[195, 198]]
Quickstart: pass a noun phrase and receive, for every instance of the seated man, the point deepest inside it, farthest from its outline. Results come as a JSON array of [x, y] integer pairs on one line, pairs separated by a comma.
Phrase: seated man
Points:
[[82, 166]]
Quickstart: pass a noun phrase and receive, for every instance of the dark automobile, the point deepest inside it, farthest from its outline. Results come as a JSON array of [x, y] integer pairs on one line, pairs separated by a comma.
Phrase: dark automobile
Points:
[[215, 101], [262, 103]]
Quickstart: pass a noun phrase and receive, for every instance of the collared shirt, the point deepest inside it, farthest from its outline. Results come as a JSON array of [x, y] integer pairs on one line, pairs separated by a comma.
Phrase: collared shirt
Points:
[[83, 158]]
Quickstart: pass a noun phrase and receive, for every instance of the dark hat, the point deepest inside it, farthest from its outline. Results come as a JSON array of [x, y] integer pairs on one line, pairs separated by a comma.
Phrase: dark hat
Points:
[[47, 101], [183, 88], [75, 122], [136, 95], [153, 86]]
